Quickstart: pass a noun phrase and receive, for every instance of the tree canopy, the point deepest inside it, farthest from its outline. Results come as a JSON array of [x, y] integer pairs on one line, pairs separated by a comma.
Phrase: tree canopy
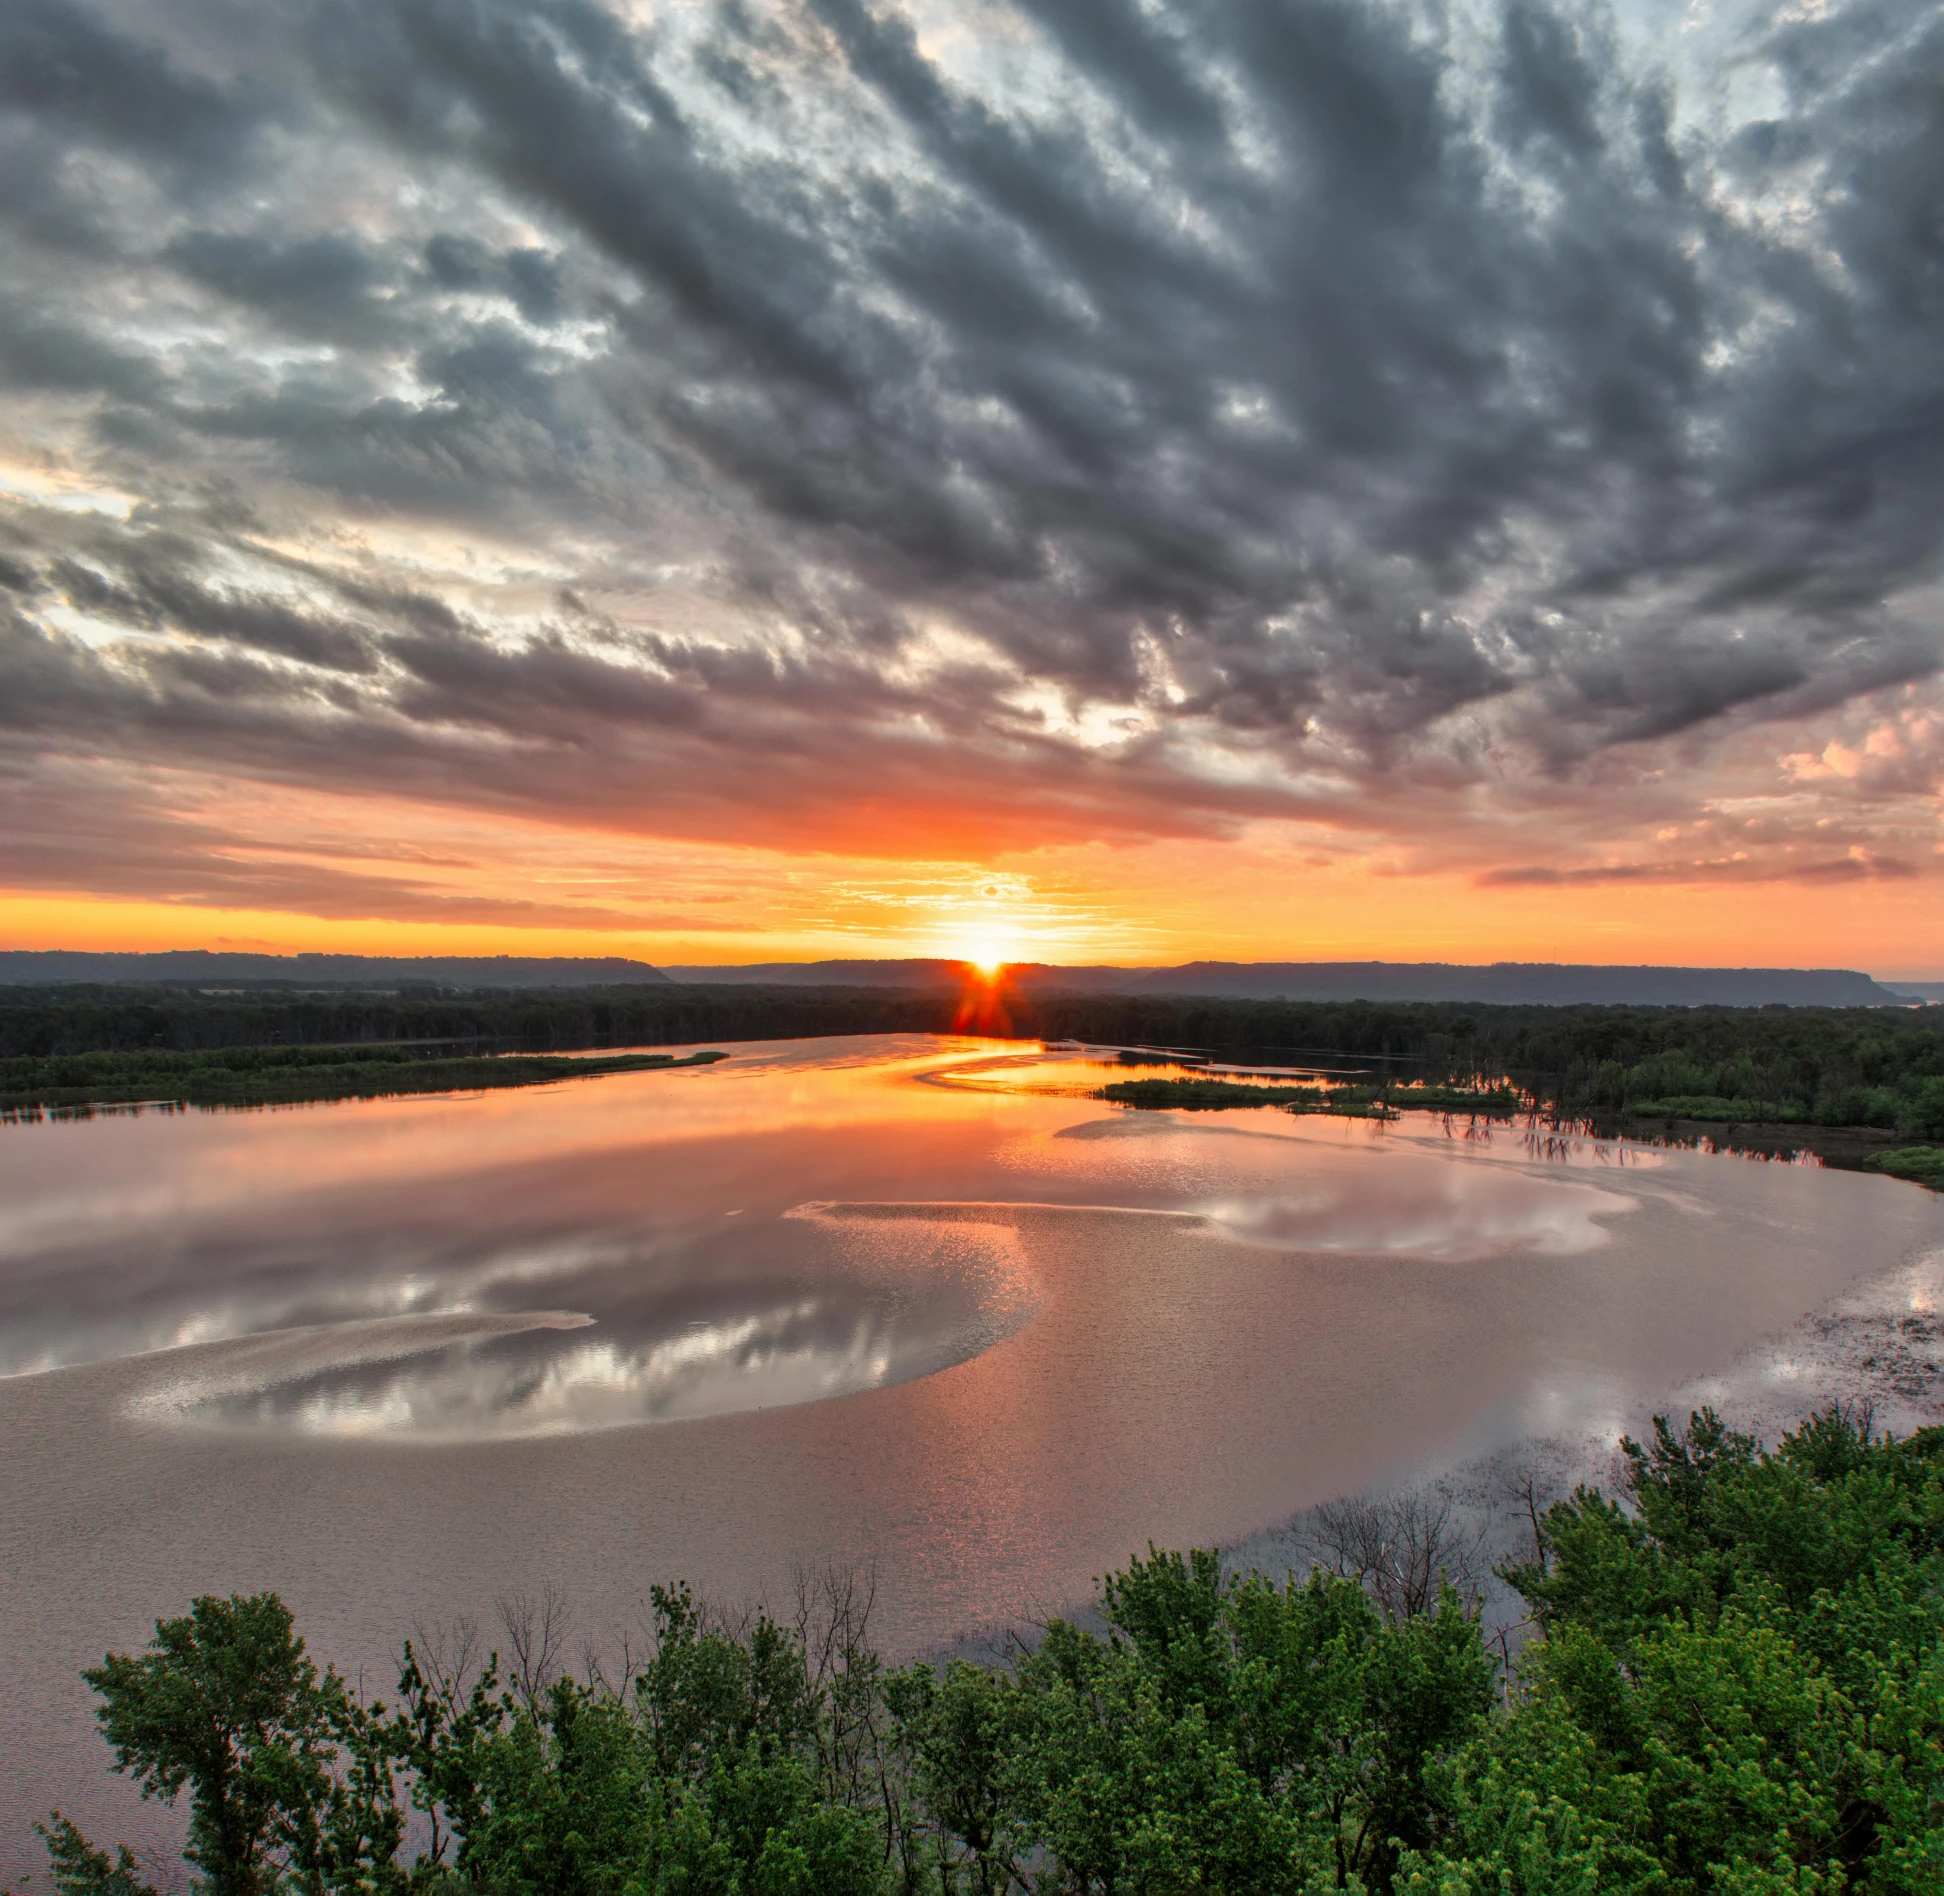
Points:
[[1734, 1684]]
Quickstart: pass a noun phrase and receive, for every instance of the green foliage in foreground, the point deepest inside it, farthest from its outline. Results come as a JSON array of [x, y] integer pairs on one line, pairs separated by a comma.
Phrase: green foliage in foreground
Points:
[[265, 1076], [1925, 1164], [1342, 1102], [1737, 1687]]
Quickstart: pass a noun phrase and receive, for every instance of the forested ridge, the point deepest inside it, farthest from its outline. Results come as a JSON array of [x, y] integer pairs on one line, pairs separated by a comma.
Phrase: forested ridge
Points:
[[1735, 1684], [76, 1019]]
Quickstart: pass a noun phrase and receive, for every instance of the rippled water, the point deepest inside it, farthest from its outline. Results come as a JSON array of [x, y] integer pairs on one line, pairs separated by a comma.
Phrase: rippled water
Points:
[[915, 1303]]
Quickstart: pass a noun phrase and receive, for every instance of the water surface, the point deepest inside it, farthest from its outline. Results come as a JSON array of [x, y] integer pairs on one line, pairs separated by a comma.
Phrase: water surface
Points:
[[917, 1303]]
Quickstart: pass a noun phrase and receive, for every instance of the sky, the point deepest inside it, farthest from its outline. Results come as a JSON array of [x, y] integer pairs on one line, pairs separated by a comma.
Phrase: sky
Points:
[[723, 480]]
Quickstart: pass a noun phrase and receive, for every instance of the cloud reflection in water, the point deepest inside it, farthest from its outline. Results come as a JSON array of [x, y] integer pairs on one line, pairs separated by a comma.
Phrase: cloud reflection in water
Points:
[[792, 1315], [1449, 1213]]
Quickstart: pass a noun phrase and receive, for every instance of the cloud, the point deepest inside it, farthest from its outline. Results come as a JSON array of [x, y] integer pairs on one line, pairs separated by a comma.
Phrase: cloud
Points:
[[1857, 867], [830, 425]]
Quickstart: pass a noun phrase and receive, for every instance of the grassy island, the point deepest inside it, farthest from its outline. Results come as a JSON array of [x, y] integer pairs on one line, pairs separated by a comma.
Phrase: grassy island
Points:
[[1734, 1686], [280, 1076], [1924, 1164], [1340, 1102]]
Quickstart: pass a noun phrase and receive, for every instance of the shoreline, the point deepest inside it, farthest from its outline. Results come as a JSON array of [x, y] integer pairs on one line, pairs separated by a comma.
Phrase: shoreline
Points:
[[1843, 1148], [206, 1085], [1879, 1347]]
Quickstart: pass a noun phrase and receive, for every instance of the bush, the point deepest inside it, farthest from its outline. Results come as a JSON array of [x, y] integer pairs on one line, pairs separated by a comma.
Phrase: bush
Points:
[[1738, 1687]]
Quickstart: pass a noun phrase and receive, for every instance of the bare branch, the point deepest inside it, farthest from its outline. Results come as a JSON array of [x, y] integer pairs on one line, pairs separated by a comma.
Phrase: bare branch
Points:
[[536, 1632], [1401, 1548], [448, 1656]]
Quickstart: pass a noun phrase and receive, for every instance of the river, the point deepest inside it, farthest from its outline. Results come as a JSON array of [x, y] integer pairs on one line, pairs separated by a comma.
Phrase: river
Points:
[[900, 1303]]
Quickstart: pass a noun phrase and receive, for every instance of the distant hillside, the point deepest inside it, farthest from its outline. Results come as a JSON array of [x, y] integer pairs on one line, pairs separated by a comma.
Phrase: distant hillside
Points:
[[1512, 983], [198, 967], [1525, 983], [850, 974]]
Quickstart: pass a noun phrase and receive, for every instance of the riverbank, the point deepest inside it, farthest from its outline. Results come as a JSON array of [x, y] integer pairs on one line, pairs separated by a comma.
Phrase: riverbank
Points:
[[1842, 1148], [75, 1085], [1876, 1352]]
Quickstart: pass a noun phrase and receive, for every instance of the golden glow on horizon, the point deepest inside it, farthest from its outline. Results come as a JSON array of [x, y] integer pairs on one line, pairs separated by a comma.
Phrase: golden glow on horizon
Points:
[[281, 870], [1240, 909]]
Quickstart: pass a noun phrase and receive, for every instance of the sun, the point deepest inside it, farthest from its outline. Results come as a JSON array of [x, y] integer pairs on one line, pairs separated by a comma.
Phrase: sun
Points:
[[987, 955]]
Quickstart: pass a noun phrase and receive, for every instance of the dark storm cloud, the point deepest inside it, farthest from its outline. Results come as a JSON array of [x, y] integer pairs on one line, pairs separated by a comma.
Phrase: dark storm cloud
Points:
[[81, 82], [1358, 393], [327, 286]]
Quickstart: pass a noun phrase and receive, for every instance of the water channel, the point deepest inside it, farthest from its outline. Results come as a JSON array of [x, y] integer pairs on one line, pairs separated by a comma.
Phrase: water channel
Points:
[[916, 1304]]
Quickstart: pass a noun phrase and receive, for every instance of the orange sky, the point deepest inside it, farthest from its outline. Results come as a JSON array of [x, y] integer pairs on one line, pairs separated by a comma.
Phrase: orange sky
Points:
[[467, 883], [1805, 842]]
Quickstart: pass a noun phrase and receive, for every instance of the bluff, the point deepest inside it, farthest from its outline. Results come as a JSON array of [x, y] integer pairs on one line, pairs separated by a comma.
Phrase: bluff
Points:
[[206, 968], [1506, 983]]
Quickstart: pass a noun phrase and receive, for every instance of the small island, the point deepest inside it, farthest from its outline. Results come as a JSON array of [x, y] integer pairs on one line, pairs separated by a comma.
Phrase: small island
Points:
[[1851, 1147], [75, 1084], [1340, 1102], [1921, 1164]]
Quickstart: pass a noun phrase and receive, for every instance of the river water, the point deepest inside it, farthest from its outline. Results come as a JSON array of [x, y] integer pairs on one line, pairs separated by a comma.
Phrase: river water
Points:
[[901, 1302]]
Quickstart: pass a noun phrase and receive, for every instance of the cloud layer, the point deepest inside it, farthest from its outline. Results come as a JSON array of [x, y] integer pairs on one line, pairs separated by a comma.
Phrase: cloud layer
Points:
[[1507, 436]]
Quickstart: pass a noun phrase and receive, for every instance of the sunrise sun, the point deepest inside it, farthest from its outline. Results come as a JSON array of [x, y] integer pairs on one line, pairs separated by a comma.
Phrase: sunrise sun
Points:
[[987, 953]]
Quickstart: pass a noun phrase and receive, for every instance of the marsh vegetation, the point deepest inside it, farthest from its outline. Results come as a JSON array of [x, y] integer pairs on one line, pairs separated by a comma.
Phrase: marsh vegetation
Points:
[[1849, 1083], [275, 1076], [1351, 1101]]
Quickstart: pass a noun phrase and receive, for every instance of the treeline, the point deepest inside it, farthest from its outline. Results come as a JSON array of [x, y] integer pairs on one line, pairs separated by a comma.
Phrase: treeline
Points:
[[1736, 1686], [1881, 1067], [70, 1083], [1820, 1066], [1869, 1067], [70, 1020]]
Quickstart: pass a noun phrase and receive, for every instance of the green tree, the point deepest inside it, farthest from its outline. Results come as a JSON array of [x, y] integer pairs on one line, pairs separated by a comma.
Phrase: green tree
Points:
[[225, 1704], [957, 1727], [1737, 1690], [82, 1870], [1741, 1683], [1130, 1794]]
